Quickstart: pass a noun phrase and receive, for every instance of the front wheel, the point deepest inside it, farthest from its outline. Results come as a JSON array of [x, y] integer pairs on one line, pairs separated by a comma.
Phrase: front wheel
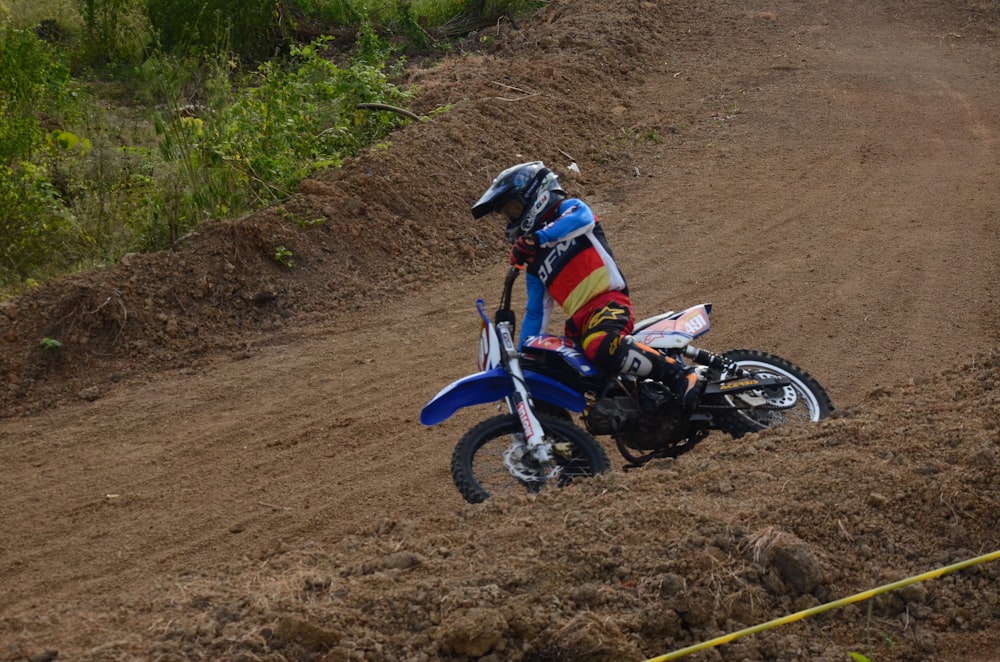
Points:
[[802, 401], [489, 460]]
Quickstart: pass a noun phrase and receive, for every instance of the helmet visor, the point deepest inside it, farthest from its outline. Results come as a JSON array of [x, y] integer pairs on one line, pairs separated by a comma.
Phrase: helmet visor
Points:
[[491, 201]]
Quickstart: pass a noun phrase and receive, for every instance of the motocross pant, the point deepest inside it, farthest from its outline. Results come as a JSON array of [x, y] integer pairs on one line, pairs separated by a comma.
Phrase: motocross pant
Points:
[[606, 341], [601, 331]]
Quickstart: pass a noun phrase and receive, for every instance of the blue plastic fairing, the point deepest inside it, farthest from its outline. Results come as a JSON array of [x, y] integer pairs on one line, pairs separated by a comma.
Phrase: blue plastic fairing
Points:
[[491, 386]]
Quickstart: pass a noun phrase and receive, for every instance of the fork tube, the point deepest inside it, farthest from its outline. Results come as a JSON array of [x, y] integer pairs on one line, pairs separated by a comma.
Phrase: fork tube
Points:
[[520, 400]]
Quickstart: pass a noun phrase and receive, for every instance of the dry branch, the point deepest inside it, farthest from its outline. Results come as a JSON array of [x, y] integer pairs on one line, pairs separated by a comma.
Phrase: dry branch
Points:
[[394, 109]]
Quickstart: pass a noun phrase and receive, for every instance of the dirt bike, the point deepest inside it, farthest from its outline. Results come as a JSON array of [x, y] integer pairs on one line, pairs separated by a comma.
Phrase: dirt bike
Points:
[[537, 442]]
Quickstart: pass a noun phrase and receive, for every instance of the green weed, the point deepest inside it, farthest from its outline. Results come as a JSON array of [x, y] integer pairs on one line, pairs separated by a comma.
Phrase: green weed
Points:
[[283, 256], [50, 344], [45, 180]]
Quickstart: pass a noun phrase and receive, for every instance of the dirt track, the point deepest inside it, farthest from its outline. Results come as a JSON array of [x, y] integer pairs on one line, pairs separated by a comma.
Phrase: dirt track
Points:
[[826, 176]]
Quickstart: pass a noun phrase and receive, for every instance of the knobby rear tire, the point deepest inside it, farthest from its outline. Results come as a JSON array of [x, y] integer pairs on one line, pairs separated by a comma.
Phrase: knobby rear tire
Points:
[[813, 402], [477, 462]]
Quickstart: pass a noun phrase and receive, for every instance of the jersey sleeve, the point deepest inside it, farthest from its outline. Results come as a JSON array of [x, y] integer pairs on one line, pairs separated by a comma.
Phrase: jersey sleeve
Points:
[[536, 311], [575, 219]]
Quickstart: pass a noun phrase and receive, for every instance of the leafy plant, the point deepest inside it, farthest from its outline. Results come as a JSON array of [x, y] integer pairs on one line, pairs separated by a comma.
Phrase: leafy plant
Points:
[[37, 232], [303, 223], [188, 186], [50, 344], [34, 83], [295, 120], [283, 256]]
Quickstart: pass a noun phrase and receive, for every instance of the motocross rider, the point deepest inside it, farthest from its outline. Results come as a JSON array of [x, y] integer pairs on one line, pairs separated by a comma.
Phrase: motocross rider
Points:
[[561, 246]]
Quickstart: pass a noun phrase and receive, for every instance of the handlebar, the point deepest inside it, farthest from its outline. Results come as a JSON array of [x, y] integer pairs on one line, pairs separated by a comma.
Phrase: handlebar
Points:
[[504, 313]]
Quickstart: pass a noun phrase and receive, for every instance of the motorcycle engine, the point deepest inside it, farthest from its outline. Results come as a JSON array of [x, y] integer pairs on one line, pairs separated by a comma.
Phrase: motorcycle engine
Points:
[[611, 414], [644, 421]]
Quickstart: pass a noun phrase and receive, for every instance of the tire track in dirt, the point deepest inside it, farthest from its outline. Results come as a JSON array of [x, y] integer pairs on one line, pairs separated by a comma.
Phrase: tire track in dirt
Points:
[[299, 439], [827, 225]]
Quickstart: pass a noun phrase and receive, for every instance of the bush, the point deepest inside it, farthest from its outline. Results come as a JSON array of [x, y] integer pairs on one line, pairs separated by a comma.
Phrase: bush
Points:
[[37, 232], [252, 142], [301, 119], [222, 140], [34, 84]]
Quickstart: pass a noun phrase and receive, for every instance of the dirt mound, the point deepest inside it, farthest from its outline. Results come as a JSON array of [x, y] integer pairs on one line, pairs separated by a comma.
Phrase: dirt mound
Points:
[[223, 459], [628, 566]]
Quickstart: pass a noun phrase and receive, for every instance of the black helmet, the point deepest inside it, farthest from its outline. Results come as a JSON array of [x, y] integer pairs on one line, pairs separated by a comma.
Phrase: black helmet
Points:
[[534, 185]]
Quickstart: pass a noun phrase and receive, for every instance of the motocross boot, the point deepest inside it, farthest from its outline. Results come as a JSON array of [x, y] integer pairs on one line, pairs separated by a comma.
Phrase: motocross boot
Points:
[[638, 360]]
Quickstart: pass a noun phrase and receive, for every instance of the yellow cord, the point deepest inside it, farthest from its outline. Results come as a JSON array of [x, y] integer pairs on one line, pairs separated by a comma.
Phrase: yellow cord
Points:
[[791, 618]]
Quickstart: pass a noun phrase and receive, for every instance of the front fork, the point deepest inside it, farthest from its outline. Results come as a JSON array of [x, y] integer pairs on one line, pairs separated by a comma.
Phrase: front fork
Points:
[[519, 402]]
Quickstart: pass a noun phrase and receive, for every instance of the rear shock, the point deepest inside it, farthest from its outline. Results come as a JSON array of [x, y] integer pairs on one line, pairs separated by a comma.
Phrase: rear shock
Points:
[[714, 361]]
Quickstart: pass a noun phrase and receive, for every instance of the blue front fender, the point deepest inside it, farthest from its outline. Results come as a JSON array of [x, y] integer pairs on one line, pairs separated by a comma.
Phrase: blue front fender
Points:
[[492, 385]]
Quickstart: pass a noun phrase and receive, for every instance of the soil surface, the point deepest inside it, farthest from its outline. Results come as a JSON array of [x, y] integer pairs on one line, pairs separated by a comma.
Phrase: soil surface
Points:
[[223, 460]]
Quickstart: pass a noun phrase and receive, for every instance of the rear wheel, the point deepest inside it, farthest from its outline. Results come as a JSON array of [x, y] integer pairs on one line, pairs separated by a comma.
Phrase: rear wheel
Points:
[[802, 401], [490, 460]]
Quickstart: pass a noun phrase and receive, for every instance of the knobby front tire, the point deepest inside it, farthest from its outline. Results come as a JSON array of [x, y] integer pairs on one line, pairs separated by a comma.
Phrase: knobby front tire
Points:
[[477, 464]]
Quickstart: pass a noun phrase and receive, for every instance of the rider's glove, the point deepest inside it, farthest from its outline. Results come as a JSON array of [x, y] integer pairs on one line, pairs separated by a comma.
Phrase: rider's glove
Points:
[[523, 249]]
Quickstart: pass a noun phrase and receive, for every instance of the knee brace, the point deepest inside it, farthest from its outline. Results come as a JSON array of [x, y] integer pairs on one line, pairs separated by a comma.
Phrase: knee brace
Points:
[[634, 359]]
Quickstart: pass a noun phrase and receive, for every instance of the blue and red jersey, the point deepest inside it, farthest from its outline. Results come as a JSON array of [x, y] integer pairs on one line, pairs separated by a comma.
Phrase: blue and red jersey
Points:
[[573, 267]]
